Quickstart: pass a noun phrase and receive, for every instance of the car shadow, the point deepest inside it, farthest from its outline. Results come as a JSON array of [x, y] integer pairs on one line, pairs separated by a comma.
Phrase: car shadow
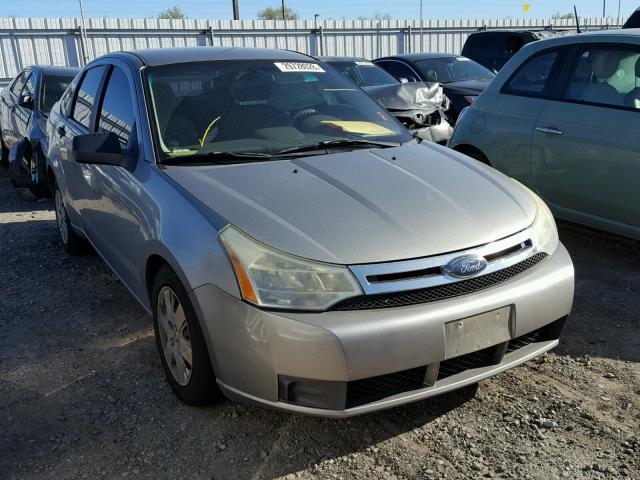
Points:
[[605, 321]]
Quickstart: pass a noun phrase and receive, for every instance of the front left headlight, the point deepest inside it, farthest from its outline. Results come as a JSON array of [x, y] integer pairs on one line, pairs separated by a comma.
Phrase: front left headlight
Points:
[[544, 227], [273, 279]]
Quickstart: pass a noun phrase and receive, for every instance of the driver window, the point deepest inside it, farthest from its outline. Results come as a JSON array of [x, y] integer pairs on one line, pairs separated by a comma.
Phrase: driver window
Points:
[[116, 111], [28, 88]]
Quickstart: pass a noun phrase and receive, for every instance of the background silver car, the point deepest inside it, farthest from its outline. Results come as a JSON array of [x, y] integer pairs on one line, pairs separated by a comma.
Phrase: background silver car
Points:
[[296, 246], [563, 118]]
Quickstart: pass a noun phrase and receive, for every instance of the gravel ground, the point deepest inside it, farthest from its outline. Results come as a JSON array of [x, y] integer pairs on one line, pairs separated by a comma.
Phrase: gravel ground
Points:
[[83, 393]]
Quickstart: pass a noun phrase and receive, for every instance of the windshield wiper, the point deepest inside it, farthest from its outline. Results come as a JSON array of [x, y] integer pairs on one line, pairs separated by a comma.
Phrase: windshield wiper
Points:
[[218, 158], [336, 143]]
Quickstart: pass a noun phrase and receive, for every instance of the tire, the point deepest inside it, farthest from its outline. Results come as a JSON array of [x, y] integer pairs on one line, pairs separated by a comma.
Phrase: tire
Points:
[[70, 240], [4, 155], [183, 351], [38, 166]]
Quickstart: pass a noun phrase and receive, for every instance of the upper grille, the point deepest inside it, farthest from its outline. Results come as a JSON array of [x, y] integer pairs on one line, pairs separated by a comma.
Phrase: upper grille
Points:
[[441, 292]]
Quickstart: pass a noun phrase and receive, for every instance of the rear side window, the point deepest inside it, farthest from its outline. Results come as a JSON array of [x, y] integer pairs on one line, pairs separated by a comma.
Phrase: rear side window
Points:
[[606, 75], [86, 96], [116, 113], [482, 45], [513, 44], [532, 77]]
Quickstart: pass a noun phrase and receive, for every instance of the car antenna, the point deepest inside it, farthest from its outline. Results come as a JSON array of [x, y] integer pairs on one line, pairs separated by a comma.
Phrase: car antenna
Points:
[[575, 12]]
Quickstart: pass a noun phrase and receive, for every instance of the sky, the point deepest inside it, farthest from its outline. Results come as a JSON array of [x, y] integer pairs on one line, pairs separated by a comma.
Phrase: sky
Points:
[[327, 9]]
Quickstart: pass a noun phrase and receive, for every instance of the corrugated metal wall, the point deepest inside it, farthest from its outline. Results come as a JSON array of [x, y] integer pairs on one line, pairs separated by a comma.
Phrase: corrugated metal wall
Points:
[[59, 41]]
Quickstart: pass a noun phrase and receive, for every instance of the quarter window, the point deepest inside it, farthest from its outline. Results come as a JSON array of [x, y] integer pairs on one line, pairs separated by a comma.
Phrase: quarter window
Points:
[[116, 113], [532, 77], [86, 96], [606, 76]]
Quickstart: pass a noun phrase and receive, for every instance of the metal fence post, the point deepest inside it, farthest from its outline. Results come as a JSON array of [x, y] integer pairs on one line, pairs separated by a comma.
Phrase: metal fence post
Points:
[[211, 36]]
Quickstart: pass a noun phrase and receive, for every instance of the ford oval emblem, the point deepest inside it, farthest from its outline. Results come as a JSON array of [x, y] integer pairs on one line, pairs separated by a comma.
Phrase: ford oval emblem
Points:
[[465, 266]]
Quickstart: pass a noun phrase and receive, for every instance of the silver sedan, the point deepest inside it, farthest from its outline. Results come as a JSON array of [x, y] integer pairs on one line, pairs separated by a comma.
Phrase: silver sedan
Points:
[[296, 246]]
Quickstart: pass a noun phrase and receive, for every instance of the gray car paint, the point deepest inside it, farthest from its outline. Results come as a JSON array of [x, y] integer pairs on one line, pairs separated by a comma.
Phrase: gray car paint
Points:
[[360, 206]]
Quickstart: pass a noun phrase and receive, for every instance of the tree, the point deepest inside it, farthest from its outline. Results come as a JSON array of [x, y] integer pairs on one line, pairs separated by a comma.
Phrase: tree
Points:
[[562, 16], [270, 13], [173, 12], [376, 16]]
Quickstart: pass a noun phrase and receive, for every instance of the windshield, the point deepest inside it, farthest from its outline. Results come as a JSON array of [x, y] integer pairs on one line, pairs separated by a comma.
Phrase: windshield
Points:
[[260, 106], [53, 86], [364, 73], [452, 69]]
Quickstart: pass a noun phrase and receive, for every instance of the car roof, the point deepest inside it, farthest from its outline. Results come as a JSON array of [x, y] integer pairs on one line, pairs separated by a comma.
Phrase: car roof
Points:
[[632, 35], [341, 59], [54, 70], [412, 57], [167, 56]]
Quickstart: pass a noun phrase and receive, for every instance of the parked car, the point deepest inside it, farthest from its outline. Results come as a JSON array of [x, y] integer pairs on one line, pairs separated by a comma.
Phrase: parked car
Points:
[[295, 245], [493, 48], [563, 119], [633, 21], [462, 78], [421, 107], [24, 107]]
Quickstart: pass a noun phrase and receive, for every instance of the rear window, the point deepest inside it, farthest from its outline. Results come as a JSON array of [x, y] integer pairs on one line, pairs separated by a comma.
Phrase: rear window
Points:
[[633, 21]]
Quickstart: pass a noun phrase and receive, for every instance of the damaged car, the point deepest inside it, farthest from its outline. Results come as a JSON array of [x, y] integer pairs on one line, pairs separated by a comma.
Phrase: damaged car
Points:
[[24, 107], [296, 247], [420, 106]]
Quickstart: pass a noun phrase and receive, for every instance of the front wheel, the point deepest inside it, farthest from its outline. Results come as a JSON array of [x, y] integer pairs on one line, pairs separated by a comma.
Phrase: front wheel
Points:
[[38, 174], [71, 241], [180, 342]]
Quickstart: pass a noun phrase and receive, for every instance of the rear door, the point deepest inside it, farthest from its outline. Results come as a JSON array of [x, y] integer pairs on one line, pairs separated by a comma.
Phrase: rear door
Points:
[[77, 120], [586, 141], [513, 112]]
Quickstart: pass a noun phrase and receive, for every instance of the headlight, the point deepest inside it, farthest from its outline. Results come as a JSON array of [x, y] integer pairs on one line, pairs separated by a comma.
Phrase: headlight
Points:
[[544, 227], [270, 278]]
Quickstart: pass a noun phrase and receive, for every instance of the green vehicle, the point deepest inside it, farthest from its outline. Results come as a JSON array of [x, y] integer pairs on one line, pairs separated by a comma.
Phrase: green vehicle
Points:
[[563, 117]]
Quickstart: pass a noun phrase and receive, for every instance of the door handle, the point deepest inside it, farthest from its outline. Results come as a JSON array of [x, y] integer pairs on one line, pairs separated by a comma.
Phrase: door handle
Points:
[[549, 130], [62, 131]]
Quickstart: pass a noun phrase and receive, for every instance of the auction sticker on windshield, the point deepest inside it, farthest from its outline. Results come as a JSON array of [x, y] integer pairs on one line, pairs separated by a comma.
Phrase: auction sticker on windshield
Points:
[[299, 67]]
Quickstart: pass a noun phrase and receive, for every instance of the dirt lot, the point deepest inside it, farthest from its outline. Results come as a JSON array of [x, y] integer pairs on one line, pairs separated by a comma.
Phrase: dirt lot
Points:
[[83, 394]]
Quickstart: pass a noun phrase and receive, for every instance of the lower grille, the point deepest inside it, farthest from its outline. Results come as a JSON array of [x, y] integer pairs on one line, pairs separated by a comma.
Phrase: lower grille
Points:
[[442, 292], [371, 389], [454, 366], [526, 339]]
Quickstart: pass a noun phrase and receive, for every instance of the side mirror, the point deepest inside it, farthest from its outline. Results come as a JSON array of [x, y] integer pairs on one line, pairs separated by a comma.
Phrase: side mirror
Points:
[[101, 148], [412, 79], [403, 80], [25, 101]]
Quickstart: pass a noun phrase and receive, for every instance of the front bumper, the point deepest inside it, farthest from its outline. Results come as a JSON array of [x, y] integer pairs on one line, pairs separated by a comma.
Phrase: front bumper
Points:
[[254, 350]]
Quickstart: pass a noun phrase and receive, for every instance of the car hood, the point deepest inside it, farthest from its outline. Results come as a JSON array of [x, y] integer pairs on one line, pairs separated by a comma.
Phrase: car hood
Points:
[[467, 87], [364, 206]]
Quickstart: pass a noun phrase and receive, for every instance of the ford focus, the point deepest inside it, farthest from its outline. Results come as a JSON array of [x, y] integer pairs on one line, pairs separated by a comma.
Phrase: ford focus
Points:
[[296, 246]]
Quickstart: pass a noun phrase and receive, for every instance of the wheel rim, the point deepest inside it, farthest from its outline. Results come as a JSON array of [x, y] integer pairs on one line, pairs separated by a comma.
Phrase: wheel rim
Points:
[[175, 338], [61, 217]]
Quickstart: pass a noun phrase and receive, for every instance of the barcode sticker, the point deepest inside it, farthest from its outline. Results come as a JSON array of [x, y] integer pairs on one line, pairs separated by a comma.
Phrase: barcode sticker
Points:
[[299, 67]]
